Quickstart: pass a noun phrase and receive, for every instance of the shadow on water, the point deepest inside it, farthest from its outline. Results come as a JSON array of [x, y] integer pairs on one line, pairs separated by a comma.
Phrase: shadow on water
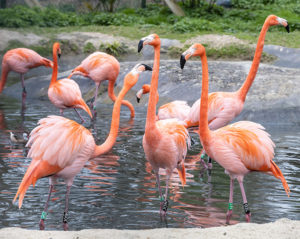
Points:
[[118, 190]]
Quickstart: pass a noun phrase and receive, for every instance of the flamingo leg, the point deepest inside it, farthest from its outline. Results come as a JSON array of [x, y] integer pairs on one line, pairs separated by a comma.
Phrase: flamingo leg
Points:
[[245, 203], [93, 107], [209, 164], [24, 93], [202, 155], [65, 216], [44, 213], [82, 120], [164, 206], [61, 112], [230, 206]]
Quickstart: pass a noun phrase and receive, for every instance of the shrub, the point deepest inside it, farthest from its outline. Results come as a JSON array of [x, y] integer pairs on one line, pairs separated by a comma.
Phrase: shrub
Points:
[[114, 48], [89, 48]]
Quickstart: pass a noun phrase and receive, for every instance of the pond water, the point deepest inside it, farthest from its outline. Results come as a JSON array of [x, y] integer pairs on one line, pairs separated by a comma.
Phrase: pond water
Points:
[[118, 190]]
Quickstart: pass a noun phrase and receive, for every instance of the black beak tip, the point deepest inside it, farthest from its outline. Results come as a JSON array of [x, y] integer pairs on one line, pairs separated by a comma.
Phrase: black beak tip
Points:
[[140, 46], [147, 68], [287, 28], [138, 99], [182, 61], [59, 55]]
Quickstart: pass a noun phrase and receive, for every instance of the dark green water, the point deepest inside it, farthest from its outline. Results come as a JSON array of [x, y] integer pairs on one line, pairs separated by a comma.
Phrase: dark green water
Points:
[[118, 190]]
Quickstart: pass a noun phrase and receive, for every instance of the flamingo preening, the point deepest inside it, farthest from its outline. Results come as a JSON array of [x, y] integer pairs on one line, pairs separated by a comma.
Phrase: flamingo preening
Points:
[[60, 148], [240, 148]]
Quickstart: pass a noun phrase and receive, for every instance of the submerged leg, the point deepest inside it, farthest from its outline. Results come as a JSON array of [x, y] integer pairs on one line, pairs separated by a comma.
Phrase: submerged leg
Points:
[[44, 213], [165, 204], [65, 216], [82, 120], [161, 198], [230, 204], [245, 203], [24, 93], [93, 107]]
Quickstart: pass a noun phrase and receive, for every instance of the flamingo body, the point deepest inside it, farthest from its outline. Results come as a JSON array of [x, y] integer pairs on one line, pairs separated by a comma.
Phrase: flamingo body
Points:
[[66, 93], [223, 107]]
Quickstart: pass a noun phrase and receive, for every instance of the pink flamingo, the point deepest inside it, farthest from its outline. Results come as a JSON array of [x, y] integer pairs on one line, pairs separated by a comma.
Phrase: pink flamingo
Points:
[[240, 148], [178, 109], [60, 147], [100, 66], [21, 60], [164, 141], [223, 107], [65, 93]]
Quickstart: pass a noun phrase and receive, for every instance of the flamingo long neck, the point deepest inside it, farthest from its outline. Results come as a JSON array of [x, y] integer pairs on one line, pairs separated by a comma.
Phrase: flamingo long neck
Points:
[[204, 133], [113, 97], [151, 112], [4, 74], [256, 60], [54, 72], [114, 128]]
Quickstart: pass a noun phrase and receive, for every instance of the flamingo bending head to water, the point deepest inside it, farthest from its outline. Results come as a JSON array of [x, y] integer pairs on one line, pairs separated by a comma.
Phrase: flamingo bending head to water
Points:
[[240, 148], [165, 141], [60, 148]]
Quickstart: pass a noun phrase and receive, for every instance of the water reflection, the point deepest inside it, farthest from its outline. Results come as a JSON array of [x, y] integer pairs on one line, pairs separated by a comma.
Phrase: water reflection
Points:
[[118, 190]]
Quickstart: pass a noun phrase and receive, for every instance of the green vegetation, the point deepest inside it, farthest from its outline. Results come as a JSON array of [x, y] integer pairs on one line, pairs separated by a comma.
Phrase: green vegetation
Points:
[[243, 20], [115, 48]]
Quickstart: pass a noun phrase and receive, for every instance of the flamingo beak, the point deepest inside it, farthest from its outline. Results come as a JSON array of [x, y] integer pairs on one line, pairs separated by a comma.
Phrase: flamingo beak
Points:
[[138, 99], [140, 46], [182, 61], [147, 68], [59, 55], [287, 28]]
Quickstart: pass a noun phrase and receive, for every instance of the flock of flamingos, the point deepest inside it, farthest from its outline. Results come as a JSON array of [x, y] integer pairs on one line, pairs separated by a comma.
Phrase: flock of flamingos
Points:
[[60, 147]]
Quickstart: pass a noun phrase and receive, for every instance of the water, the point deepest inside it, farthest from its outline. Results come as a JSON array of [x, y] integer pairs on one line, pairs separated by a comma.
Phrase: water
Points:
[[118, 190]]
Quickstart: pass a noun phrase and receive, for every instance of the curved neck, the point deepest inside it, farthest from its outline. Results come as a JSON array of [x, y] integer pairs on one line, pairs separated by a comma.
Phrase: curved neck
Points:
[[4, 74], [203, 120], [114, 128], [54, 72], [256, 60], [151, 112]]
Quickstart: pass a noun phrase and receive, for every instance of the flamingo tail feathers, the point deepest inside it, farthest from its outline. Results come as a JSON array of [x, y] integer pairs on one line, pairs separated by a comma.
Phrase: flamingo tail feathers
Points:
[[181, 173], [278, 174]]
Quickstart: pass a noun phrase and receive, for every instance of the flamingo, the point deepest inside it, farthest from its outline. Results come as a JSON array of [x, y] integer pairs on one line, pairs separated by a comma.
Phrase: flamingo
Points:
[[65, 93], [60, 147], [223, 107], [178, 109], [100, 66], [21, 60], [165, 141], [240, 148]]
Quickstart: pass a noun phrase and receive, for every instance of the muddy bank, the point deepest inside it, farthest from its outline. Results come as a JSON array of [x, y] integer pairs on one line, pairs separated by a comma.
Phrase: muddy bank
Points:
[[283, 228]]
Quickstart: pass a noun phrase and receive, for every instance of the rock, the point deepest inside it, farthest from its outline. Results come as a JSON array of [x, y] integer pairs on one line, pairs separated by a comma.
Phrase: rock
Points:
[[224, 3]]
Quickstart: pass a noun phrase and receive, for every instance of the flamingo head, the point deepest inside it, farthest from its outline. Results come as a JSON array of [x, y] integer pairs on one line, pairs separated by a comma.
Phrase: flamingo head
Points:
[[274, 20], [132, 77], [194, 50], [145, 89], [152, 39], [56, 49]]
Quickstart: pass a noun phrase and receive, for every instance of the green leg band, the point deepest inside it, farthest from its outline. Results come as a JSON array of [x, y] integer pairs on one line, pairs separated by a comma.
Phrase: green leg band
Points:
[[230, 206], [202, 156], [44, 215], [162, 199]]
